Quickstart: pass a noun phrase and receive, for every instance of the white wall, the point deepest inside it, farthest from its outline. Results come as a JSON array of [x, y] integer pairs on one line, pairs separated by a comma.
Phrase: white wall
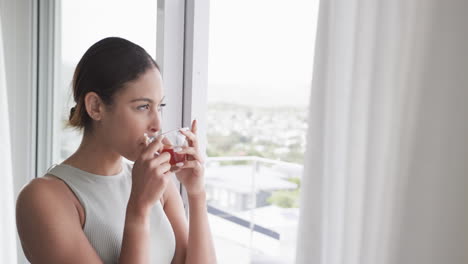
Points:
[[17, 26]]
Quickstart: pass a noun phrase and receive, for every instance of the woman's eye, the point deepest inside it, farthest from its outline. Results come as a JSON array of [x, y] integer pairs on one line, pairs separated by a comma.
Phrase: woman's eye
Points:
[[141, 107]]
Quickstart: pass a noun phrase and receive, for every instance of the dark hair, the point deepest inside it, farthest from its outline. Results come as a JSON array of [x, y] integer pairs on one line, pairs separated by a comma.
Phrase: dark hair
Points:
[[104, 69]]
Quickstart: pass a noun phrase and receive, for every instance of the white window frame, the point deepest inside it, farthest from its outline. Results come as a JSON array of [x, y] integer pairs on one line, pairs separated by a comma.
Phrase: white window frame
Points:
[[182, 54], [46, 61], [196, 71]]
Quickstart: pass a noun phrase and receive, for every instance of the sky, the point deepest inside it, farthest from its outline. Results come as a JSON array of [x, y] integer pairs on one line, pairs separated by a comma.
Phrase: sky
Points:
[[260, 51]]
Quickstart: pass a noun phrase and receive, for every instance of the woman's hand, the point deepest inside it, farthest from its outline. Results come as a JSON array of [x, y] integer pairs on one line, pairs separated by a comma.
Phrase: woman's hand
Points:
[[150, 175], [192, 172]]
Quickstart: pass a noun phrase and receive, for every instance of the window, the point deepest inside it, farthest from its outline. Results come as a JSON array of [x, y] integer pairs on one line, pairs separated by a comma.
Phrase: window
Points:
[[260, 67], [260, 72], [135, 21]]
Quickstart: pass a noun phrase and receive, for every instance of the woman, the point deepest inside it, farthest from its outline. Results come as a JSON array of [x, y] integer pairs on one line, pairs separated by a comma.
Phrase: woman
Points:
[[96, 207]]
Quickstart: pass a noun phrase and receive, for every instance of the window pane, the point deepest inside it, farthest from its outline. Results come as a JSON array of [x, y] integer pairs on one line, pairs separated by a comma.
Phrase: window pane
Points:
[[81, 24], [260, 72]]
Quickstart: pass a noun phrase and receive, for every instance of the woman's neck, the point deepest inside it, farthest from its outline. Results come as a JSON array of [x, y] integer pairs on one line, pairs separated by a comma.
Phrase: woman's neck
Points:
[[94, 157]]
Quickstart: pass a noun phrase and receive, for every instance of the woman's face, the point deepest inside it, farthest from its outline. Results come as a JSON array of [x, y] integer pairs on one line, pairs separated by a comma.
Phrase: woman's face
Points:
[[136, 110]]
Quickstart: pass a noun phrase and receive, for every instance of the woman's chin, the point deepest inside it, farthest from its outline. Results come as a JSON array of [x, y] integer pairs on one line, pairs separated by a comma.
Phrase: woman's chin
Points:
[[130, 156], [133, 155]]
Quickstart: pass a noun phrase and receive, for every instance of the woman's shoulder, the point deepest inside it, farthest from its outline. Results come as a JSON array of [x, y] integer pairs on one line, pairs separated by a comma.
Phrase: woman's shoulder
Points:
[[43, 194], [40, 189], [46, 214], [47, 184]]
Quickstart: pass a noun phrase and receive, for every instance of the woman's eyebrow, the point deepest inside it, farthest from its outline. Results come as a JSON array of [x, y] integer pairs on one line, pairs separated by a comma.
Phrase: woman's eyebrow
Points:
[[145, 100], [142, 99]]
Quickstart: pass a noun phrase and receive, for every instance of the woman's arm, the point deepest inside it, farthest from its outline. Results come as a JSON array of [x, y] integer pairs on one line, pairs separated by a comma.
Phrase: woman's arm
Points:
[[200, 244], [136, 236], [49, 225], [194, 246], [174, 209], [50, 230], [200, 247], [150, 177]]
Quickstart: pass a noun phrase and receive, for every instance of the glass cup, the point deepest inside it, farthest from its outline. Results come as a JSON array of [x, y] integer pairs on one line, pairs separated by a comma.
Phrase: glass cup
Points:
[[173, 142]]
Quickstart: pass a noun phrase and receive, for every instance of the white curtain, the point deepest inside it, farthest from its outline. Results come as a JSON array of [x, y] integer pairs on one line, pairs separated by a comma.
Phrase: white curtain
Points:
[[386, 167], [7, 219]]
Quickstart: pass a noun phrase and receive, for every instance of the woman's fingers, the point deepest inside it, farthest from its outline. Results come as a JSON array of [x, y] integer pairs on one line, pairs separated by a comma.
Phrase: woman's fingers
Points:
[[191, 151], [191, 137], [152, 148], [194, 126], [161, 159], [163, 168], [191, 164]]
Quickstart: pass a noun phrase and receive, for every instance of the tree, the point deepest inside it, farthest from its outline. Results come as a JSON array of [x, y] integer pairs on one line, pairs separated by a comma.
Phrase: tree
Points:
[[286, 198]]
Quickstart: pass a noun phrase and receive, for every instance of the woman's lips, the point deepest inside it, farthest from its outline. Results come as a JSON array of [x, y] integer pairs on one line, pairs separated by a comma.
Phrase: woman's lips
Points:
[[149, 138]]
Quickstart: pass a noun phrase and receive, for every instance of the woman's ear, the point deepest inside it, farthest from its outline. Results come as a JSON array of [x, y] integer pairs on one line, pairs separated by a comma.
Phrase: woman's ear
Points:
[[94, 105]]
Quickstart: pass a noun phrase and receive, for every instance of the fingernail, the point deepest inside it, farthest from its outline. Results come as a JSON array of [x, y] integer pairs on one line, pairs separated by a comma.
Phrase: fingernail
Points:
[[177, 149], [180, 164], [147, 139], [156, 154]]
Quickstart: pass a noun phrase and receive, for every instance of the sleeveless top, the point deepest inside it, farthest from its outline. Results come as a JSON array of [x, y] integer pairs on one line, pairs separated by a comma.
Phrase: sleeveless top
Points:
[[104, 199]]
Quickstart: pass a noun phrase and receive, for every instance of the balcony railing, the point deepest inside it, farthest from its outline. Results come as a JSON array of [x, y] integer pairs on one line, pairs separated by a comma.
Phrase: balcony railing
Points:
[[250, 221]]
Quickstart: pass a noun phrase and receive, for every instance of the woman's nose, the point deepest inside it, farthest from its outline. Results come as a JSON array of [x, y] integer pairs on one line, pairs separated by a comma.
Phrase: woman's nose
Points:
[[155, 125]]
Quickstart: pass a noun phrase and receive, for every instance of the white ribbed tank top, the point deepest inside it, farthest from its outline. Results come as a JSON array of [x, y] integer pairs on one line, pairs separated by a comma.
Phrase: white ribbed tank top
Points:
[[104, 199]]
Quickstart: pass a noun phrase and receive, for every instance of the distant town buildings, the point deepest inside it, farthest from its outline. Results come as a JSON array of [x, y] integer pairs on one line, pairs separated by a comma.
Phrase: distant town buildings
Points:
[[239, 187]]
